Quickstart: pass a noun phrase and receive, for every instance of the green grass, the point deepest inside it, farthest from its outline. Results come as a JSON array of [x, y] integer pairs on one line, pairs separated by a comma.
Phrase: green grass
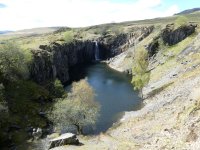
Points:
[[181, 21]]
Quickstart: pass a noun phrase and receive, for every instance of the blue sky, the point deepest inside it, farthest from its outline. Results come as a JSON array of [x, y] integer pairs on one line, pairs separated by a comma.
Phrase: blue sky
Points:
[[23, 14], [182, 4], [2, 5]]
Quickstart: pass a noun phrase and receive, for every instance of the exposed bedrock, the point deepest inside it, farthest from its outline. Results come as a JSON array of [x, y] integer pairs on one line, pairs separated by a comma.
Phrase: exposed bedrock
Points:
[[114, 45], [53, 61], [170, 36]]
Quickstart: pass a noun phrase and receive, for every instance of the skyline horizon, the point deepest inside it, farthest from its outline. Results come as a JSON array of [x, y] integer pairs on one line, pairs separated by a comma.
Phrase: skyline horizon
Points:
[[93, 12]]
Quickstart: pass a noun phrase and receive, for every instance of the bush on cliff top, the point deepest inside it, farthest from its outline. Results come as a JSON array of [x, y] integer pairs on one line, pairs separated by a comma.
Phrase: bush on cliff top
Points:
[[68, 36], [13, 64]]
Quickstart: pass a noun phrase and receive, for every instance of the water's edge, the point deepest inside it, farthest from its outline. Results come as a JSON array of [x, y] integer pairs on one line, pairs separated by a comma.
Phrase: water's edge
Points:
[[111, 87]]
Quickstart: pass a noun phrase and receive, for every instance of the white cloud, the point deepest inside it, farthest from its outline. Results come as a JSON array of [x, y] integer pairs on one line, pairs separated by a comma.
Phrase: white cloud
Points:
[[22, 14], [171, 10]]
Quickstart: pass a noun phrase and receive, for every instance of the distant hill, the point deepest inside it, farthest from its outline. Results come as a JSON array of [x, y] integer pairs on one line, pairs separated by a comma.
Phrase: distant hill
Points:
[[41, 30], [4, 32], [188, 11]]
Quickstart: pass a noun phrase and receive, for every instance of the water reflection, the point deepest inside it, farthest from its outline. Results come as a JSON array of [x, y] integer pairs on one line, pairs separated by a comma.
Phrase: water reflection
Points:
[[114, 92]]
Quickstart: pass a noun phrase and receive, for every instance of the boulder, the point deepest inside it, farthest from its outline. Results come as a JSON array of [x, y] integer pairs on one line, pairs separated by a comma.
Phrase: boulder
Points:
[[53, 135], [64, 139]]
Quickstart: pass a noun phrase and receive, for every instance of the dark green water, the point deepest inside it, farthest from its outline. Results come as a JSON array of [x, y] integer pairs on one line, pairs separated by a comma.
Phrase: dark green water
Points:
[[114, 92]]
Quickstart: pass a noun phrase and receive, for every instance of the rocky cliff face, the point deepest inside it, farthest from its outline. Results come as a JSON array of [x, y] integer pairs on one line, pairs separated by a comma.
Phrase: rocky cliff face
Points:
[[171, 114], [170, 36], [54, 60], [140, 37], [114, 45]]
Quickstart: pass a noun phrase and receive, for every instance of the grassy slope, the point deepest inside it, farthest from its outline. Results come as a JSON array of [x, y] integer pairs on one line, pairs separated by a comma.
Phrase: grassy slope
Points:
[[34, 37], [170, 119], [129, 135]]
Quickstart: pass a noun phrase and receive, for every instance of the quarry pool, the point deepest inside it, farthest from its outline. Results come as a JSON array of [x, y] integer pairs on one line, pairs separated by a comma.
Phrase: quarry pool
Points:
[[113, 91]]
